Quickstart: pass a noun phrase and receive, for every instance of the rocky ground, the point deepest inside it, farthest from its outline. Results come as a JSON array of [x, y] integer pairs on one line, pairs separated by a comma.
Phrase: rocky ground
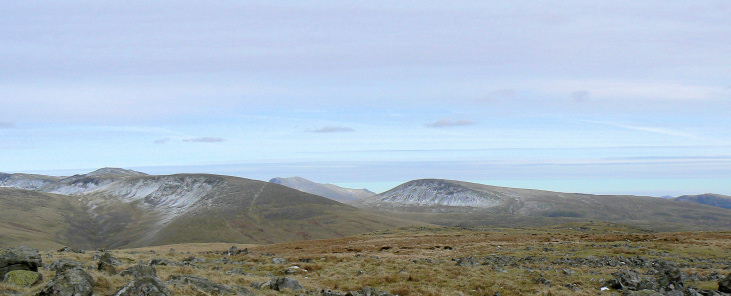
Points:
[[573, 259]]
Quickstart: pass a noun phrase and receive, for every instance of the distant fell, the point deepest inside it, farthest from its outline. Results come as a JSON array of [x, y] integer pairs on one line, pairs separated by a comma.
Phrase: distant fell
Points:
[[334, 192], [449, 202], [114, 210], [716, 200]]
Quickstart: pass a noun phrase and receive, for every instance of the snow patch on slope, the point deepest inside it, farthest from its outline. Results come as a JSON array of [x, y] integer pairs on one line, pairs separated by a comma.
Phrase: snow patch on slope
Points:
[[436, 193]]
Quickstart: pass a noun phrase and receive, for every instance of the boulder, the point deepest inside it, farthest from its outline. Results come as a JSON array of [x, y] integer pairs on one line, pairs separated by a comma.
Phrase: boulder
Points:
[[70, 282], [724, 285], [144, 286], [280, 284], [24, 278], [62, 264], [630, 280], [200, 283], [19, 258], [279, 261], [107, 263], [139, 271]]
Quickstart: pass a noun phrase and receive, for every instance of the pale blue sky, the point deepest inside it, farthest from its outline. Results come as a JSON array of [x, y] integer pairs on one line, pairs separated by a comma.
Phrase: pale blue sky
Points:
[[582, 96]]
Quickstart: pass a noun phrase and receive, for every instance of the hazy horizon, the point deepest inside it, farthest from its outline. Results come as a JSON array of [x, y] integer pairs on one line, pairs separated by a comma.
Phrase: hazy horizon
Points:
[[623, 97]]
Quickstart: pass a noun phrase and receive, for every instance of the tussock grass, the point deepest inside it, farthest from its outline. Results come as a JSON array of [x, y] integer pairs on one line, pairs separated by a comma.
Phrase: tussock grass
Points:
[[421, 260]]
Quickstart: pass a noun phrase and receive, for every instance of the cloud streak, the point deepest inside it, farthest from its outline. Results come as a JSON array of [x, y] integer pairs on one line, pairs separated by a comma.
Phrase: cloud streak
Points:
[[446, 122], [6, 124], [161, 141], [333, 129], [205, 140]]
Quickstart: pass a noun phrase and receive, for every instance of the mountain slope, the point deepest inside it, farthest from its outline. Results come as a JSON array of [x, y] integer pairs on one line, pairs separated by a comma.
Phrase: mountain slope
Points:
[[344, 195], [454, 203], [716, 200], [130, 210], [26, 181]]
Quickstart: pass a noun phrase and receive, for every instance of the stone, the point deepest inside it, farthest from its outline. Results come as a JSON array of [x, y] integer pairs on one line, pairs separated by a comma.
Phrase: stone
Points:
[[200, 283], [70, 282], [724, 285], [139, 271], [62, 264], [162, 262], [630, 280], [279, 261], [107, 263], [144, 286], [468, 261], [280, 284], [25, 278], [19, 258]]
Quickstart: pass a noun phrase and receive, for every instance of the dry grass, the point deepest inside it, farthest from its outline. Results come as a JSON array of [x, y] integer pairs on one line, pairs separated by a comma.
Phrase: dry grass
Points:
[[420, 260]]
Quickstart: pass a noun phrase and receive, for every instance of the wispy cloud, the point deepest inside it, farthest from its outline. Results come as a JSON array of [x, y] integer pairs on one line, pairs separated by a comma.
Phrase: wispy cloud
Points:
[[656, 130], [6, 124], [161, 141], [446, 122], [332, 129], [205, 140]]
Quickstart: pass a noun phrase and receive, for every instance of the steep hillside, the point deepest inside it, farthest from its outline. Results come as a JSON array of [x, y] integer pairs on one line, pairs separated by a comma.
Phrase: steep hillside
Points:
[[344, 195], [716, 200], [128, 210], [448, 202], [26, 181]]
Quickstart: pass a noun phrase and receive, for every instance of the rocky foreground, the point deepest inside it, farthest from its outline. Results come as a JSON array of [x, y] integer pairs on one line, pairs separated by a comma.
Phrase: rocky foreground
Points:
[[585, 259]]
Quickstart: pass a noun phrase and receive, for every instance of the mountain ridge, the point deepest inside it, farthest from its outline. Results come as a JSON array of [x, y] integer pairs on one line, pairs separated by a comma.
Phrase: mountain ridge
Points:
[[331, 191]]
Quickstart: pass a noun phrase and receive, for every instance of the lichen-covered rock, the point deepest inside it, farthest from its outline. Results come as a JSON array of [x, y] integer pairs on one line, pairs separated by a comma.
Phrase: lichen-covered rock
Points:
[[70, 282], [139, 271], [62, 264], [24, 278], [19, 258], [144, 286]]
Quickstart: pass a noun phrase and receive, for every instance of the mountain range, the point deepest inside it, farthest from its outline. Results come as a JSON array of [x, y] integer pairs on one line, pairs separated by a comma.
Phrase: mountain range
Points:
[[114, 208]]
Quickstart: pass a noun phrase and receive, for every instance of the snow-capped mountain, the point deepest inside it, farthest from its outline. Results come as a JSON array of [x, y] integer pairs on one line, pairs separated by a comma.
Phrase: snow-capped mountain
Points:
[[334, 192]]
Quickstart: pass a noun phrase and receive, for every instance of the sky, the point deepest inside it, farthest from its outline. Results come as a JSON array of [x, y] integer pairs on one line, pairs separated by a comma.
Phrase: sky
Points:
[[606, 97]]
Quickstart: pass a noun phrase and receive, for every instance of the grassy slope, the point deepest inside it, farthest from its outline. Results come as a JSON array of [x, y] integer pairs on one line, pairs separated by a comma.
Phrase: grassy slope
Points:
[[32, 218]]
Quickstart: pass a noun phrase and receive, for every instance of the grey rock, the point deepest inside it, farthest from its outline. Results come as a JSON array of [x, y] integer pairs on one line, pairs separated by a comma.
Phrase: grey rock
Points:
[[279, 260], [200, 283], [280, 284], [162, 262], [630, 280], [107, 263], [139, 271], [62, 264], [468, 261], [70, 282], [144, 286], [19, 258]]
